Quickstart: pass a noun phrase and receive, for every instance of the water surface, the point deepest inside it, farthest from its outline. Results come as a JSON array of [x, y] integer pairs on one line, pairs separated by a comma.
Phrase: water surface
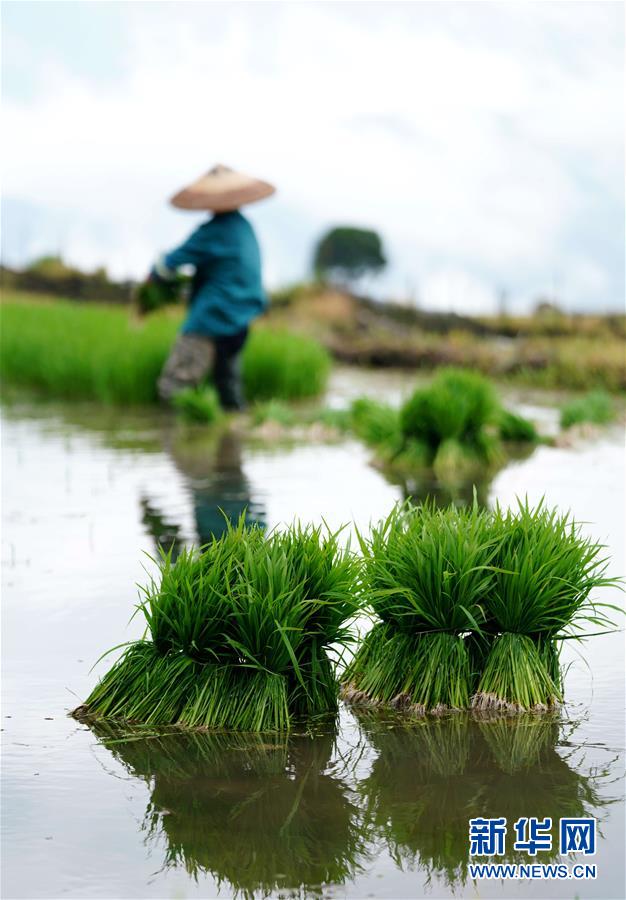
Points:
[[369, 806]]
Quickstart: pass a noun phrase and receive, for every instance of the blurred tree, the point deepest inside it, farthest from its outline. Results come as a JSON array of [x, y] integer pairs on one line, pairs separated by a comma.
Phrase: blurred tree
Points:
[[348, 253], [50, 267]]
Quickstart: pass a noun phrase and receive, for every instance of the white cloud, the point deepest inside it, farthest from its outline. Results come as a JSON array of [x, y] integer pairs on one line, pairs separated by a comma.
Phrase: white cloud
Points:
[[468, 140]]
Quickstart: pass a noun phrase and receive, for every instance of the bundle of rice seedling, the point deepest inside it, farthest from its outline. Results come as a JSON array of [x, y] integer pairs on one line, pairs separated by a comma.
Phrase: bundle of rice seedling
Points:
[[545, 573], [427, 572], [451, 419], [515, 428], [198, 404], [242, 635], [154, 293], [470, 608]]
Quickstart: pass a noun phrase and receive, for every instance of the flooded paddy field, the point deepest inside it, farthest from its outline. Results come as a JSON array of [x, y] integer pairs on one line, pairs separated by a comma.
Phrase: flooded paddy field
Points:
[[366, 808]]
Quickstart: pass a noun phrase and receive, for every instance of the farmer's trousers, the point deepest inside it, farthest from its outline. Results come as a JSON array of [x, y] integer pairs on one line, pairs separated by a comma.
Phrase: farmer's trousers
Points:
[[194, 356]]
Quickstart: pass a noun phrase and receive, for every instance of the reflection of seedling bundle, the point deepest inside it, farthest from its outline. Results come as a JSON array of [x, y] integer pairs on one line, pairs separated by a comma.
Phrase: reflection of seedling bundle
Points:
[[259, 814], [239, 635], [472, 602], [420, 801]]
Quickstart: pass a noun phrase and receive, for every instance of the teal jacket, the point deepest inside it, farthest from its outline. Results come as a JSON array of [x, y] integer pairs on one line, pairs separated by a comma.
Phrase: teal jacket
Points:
[[227, 292]]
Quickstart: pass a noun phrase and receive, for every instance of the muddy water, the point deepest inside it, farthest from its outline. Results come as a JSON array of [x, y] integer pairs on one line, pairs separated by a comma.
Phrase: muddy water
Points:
[[366, 808]]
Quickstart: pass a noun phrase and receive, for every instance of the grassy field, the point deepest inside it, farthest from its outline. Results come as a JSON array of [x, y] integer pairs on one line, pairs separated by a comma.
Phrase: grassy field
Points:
[[101, 352]]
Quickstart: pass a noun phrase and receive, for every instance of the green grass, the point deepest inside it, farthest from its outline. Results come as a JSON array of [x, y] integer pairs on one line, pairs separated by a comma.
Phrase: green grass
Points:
[[240, 636], [101, 353], [280, 364], [471, 604], [596, 407]]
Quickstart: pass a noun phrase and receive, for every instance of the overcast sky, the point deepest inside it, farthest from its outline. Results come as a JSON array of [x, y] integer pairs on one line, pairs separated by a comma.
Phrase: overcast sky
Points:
[[484, 141]]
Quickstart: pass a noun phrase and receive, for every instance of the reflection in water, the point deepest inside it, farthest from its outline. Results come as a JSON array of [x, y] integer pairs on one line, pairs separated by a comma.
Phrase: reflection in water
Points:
[[421, 486], [266, 813], [259, 813], [212, 467], [430, 778]]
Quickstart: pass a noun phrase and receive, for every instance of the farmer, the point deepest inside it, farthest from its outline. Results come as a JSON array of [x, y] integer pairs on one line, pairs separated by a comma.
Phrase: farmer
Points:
[[226, 289]]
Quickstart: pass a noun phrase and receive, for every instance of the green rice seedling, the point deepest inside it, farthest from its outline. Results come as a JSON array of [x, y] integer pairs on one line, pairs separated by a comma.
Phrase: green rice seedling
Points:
[[273, 411], [546, 572], [426, 574], [378, 424], [153, 294], [596, 407], [456, 405], [515, 677], [515, 428], [200, 405], [99, 352], [243, 635]]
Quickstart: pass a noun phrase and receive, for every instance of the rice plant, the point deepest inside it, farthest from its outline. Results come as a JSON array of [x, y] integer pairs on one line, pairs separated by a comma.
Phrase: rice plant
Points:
[[546, 573], [595, 407], [96, 352], [451, 417], [284, 365], [375, 423], [453, 427], [243, 635], [515, 428], [470, 607], [426, 574], [200, 405]]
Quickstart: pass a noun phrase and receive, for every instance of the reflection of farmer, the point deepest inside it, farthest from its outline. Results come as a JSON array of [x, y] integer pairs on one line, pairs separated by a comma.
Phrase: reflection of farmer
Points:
[[218, 487], [226, 292]]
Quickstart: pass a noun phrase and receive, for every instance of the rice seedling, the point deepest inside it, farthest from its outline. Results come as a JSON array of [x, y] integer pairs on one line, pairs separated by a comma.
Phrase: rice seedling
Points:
[[454, 427], [546, 572], [99, 352], [451, 418], [470, 606], [376, 423], [515, 428], [595, 407], [243, 635], [426, 574], [198, 405], [153, 294]]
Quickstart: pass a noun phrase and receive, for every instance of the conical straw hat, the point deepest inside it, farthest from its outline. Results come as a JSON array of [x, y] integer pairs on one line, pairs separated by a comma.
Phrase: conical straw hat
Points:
[[222, 189]]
